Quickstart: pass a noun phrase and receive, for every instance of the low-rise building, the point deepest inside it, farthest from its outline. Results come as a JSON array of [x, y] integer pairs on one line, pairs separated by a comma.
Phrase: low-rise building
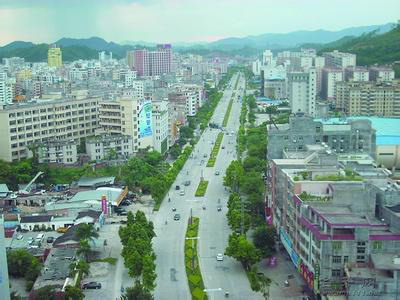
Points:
[[381, 73], [108, 147], [60, 152]]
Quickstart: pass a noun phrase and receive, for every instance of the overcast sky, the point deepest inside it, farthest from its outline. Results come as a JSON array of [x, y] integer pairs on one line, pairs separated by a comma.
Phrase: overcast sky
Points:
[[182, 20]]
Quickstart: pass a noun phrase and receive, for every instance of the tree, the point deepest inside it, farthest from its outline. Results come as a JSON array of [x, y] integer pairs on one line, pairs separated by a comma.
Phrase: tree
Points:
[[242, 250], [259, 282], [73, 293], [149, 272], [84, 249], [86, 232], [251, 163], [14, 296], [175, 151], [153, 158], [186, 132], [233, 175], [23, 264], [79, 266], [111, 154], [135, 171], [264, 239], [46, 292], [137, 292]]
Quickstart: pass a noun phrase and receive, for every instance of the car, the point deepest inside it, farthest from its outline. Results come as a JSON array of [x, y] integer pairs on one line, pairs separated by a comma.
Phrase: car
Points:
[[182, 193], [232, 132], [186, 183], [205, 155], [123, 222], [173, 209], [92, 285], [177, 217], [20, 237], [220, 257], [123, 213], [177, 187], [219, 208], [216, 173], [223, 147]]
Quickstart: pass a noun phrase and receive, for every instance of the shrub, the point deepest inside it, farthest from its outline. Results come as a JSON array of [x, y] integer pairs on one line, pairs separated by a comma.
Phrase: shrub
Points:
[[201, 189]]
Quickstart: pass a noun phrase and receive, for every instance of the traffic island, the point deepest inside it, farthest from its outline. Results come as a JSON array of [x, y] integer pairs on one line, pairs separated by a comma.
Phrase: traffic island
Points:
[[215, 150], [192, 266], [201, 189]]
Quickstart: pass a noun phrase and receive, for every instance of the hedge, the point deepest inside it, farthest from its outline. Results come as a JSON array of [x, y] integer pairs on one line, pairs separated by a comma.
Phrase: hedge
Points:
[[215, 150], [228, 112]]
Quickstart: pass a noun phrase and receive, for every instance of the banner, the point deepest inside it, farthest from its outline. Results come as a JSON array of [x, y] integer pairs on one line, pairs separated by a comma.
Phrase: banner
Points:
[[145, 120]]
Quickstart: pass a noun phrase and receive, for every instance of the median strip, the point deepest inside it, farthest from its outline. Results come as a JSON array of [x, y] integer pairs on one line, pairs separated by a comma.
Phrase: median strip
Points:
[[201, 189], [215, 150], [192, 266], [228, 112]]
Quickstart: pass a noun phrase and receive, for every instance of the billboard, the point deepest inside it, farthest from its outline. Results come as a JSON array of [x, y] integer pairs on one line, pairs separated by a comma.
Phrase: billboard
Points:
[[145, 120]]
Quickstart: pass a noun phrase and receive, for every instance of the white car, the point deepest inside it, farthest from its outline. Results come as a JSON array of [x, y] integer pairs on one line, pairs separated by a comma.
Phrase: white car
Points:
[[182, 192], [220, 257]]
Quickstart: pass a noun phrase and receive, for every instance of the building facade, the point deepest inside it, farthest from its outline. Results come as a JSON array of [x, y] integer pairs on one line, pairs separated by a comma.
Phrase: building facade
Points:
[[330, 76], [153, 63], [302, 92], [54, 56], [107, 147], [339, 60], [60, 152], [161, 125]]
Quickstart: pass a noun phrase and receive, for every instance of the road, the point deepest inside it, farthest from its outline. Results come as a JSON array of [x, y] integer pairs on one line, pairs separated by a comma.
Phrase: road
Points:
[[214, 231]]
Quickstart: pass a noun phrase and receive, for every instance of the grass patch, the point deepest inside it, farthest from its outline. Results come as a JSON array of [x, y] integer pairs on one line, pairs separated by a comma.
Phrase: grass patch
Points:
[[201, 189], [110, 260], [193, 273], [214, 152], [227, 113]]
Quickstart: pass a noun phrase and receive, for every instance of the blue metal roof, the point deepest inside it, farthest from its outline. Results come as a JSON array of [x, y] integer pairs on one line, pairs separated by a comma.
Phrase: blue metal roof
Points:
[[387, 129]]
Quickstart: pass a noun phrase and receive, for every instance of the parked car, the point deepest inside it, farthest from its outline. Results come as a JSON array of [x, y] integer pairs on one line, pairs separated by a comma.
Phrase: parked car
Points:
[[216, 173], [177, 217], [92, 285], [223, 147], [182, 192], [205, 155], [50, 239], [122, 213], [219, 208], [220, 257]]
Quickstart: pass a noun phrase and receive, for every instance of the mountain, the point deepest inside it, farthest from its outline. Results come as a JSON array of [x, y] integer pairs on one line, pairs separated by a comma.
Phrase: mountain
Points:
[[16, 45], [371, 48], [293, 39]]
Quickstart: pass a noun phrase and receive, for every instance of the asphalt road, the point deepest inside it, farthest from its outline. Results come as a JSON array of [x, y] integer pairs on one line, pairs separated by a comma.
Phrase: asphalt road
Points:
[[219, 277]]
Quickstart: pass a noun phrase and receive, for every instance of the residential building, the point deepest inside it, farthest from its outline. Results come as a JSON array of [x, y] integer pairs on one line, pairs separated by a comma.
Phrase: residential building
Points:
[[356, 74], [104, 57], [60, 152], [275, 89], [268, 57], [319, 64], [161, 125], [330, 76], [37, 122], [336, 59], [107, 147], [356, 136], [4, 281], [54, 56], [6, 89], [302, 91], [368, 98], [256, 67], [153, 63], [381, 73], [130, 59]]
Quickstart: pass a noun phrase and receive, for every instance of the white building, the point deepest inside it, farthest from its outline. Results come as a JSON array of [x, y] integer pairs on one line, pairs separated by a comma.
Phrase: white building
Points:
[[356, 74], [329, 78], [267, 57], [6, 89], [4, 281], [129, 78], [60, 152], [381, 73], [340, 60], [302, 91], [273, 72], [161, 125], [256, 67], [109, 147]]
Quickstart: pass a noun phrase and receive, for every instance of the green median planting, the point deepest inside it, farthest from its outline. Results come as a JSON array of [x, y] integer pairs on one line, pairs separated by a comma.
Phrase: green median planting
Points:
[[228, 112], [201, 189], [193, 273], [214, 152]]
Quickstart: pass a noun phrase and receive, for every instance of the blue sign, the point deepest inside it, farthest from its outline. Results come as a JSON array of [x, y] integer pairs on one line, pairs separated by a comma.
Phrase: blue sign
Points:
[[145, 120]]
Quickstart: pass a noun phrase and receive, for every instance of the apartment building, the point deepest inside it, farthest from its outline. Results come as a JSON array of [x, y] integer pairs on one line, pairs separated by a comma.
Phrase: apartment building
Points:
[[356, 136], [6, 89], [59, 152], [38, 122], [54, 56], [161, 125], [356, 74], [275, 89], [120, 117], [368, 98], [324, 207], [381, 73], [302, 91], [153, 63], [109, 147], [330, 76], [339, 60]]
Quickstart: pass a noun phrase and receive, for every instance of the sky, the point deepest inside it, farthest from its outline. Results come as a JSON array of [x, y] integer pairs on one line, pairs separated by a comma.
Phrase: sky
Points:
[[182, 20]]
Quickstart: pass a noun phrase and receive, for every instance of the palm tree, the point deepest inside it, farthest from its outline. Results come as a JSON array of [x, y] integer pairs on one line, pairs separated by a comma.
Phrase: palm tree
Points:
[[79, 266], [84, 249], [86, 232]]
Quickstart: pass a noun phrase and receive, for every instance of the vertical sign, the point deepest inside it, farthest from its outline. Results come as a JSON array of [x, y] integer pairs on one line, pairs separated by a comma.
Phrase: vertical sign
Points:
[[145, 120], [104, 204]]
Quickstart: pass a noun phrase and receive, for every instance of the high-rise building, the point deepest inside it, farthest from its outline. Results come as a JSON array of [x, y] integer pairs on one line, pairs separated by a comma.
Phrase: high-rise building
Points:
[[302, 91], [161, 124], [381, 73], [6, 90], [4, 282], [130, 59], [329, 78], [338, 59], [267, 57], [153, 63], [54, 56]]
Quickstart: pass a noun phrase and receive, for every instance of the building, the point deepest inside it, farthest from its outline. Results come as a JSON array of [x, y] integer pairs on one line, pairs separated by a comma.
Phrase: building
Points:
[[60, 152], [104, 57], [4, 282], [107, 147], [54, 56], [268, 57], [275, 89], [381, 73], [302, 91], [256, 67], [368, 98], [130, 59], [325, 208], [161, 125], [153, 63], [355, 136], [330, 76], [6, 89], [37, 122], [339, 60], [356, 74]]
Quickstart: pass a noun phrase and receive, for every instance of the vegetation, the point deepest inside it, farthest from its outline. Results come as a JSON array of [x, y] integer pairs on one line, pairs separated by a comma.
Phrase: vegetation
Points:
[[73, 293], [215, 150], [227, 113], [201, 189], [137, 250], [193, 272], [264, 239], [137, 292], [110, 260], [242, 250], [304, 196]]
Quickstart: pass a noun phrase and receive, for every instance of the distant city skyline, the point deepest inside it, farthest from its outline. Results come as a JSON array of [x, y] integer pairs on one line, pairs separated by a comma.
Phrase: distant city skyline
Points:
[[182, 20]]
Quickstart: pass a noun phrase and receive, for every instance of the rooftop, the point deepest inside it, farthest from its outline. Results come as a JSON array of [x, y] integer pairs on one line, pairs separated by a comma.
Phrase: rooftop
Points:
[[385, 261], [36, 219], [95, 181]]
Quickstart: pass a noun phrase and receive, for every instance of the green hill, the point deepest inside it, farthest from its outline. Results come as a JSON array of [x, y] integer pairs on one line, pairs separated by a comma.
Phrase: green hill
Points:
[[371, 48]]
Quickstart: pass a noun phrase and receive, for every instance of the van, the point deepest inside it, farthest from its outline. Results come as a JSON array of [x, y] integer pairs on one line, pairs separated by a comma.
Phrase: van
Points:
[[40, 237]]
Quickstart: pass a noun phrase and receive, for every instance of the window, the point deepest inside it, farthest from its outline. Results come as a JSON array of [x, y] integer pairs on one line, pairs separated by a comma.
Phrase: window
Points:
[[345, 259], [336, 272], [336, 245], [377, 245], [336, 259]]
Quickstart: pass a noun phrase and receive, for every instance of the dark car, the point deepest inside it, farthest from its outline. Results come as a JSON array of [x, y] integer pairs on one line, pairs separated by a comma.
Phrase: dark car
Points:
[[177, 217], [122, 213], [177, 187], [92, 285], [219, 208], [50, 240]]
